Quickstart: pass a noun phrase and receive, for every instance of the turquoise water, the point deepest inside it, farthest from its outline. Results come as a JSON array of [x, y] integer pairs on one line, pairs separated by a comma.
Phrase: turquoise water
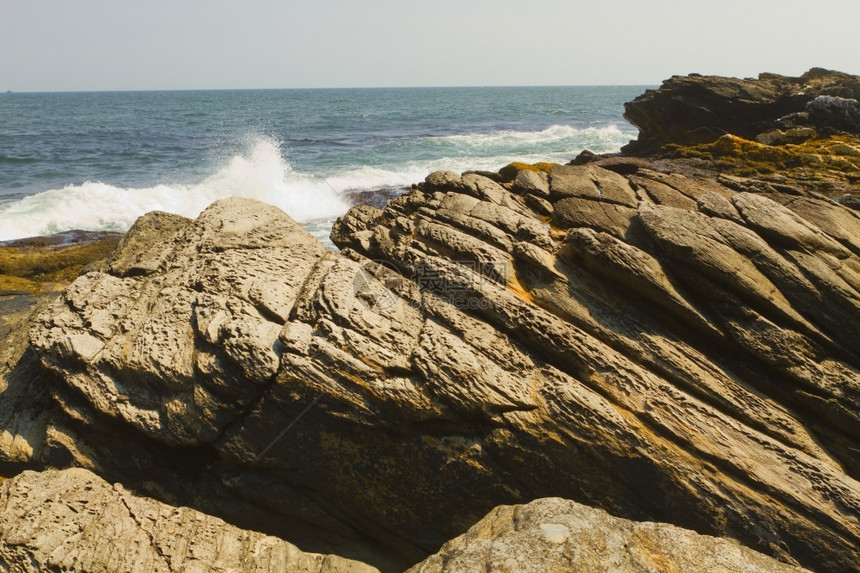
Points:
[[97, 161]]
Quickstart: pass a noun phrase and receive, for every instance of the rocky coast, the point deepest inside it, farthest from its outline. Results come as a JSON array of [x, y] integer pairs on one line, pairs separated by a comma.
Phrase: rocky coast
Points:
[[645, 361]]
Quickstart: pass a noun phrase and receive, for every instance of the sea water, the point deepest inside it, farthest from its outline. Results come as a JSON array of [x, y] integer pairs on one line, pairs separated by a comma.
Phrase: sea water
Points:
[[98, 160]]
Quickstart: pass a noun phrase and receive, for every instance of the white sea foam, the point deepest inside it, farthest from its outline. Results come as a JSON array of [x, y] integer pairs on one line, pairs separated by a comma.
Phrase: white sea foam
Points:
[[555, 143], [489, 152], [260, 173]]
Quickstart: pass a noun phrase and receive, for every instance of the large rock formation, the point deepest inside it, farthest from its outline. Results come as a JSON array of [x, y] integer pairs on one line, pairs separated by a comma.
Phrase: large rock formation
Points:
[[557, 535], [465, 351], [804, 131], [74, 521], [638, 335]]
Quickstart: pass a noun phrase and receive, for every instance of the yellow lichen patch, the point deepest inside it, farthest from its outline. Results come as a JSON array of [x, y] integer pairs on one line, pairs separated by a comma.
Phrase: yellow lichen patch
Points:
[[359, 382], [557, 233], [10, 283], [509, 171], [61, 264], [816, 158], [372, 363]]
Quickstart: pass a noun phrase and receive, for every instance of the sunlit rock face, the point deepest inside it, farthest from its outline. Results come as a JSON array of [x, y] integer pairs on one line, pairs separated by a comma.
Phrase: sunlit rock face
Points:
[[647, 336]]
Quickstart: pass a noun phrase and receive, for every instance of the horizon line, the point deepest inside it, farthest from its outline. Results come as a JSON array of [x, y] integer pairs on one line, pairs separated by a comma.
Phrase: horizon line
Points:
[[489, 86]]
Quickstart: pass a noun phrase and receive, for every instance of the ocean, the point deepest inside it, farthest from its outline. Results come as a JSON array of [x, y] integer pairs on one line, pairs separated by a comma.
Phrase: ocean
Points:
[[98, 160]]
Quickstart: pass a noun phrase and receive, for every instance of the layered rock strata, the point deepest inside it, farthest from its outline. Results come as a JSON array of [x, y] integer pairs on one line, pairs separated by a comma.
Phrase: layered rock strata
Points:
[[804, 131], [694, 109], [665, 347]]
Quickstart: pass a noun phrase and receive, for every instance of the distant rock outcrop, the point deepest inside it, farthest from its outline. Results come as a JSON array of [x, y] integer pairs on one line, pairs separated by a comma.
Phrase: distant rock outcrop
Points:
[[554, 534], [696, 109]]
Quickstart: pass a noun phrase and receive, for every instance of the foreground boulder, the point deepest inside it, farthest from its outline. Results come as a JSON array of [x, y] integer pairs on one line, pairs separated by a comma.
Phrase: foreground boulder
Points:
[[554, 534], [74, 521]]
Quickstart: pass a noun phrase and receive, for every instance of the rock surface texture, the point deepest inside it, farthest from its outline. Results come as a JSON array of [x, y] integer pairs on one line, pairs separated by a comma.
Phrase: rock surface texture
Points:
[[72, 520], [554, 535], [464, 351], [643, 336]]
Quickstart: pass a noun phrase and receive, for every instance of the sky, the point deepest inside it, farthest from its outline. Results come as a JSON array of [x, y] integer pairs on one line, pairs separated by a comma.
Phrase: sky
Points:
[[94, 45]]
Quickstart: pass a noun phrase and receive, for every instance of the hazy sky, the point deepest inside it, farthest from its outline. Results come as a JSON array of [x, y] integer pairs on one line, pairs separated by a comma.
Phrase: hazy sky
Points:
[[48, 45]]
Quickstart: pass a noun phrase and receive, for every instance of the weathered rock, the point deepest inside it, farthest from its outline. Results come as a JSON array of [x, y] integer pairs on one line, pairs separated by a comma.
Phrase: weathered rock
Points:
[[601, 286], [553, 534], [695, 109], [696, 369], [842, 113], [607, 217], [801, 131], [73, 520], [182, 355], [178, 339], [590, 182], [532, 182], [32, 273], [642, 336], [134, 254]]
